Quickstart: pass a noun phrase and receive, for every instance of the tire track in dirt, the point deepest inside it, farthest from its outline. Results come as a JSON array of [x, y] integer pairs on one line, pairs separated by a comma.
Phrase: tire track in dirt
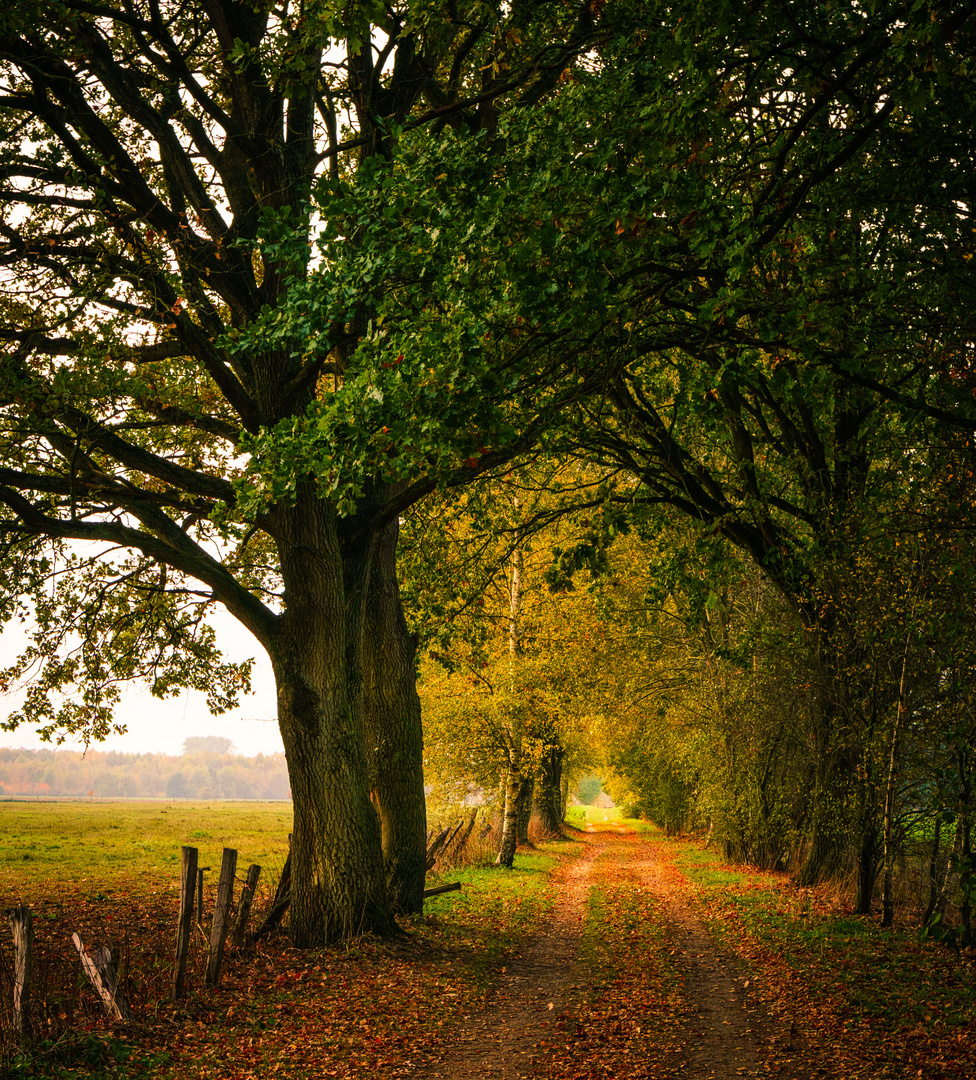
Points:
[[497, 1042], [730, 1032], [722, 1026]]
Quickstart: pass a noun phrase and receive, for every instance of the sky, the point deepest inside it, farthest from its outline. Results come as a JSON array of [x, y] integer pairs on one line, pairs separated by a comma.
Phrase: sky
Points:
[[162, 726]]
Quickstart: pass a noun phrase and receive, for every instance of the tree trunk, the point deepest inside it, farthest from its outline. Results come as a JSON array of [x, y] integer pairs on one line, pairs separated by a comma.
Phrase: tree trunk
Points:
[[338, 884], [867, 870], [891, 786], [513, 735], [836, 767], [523, 808], [829, 839], [967, 863], [513, 785], [967, 886], [933, 872], [548, 795], [394, 735]]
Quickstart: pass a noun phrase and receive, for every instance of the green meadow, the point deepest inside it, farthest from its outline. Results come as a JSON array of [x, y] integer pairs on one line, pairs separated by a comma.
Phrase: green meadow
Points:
[[108, 843]]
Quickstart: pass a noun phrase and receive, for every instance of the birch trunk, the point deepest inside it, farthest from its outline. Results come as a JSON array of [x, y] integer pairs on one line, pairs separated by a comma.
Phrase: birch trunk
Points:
[[513, 786], [513, 732]]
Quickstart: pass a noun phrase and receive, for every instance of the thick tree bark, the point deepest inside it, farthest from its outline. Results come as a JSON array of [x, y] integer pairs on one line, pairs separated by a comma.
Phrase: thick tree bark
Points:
[[394, 734], [840, 809], [523, 807], [829, 841], [548, 793], [338, 883]]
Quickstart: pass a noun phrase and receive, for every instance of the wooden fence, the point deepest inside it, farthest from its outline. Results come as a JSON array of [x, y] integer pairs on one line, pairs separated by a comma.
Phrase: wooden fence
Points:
[[100, 962]]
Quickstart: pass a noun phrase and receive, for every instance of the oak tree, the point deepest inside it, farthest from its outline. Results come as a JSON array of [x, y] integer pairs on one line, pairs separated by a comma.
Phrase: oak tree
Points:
[[157, 167]]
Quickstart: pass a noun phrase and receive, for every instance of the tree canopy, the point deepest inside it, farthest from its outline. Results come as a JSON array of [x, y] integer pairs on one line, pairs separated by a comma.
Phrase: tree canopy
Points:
[[756, 225]]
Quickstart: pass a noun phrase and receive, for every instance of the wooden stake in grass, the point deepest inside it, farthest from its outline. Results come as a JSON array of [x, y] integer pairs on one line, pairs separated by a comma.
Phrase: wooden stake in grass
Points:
[[22, 924], [99, 964], [221, 919], [244, 906], [439, 889], [188, 880]]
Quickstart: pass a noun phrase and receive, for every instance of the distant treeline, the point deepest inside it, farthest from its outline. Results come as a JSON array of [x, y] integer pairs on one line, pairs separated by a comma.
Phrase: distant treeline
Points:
[[110, 774]]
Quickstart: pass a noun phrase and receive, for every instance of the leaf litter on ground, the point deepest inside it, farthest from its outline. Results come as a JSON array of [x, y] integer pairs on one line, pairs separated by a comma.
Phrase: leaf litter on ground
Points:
[[856, 1001]]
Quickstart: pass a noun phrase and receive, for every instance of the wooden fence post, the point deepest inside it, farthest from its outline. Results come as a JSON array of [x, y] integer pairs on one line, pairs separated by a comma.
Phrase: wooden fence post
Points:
[[99, 964], [22, 924], [244, 906], [188, 880], [221, 919], [200, 870]]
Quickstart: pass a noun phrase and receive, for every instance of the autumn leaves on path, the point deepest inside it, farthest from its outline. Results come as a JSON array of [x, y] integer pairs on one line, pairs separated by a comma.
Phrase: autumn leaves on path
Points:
[[534, 991], [623, 982]]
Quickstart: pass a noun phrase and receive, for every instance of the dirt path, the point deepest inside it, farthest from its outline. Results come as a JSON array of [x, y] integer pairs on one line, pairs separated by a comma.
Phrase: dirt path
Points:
[[724, 1031], [729, 1033], [497, 1042]]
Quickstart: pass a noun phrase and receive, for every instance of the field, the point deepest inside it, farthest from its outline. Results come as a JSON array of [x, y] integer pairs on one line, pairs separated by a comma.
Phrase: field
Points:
[[111, 844], [111, 871]]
